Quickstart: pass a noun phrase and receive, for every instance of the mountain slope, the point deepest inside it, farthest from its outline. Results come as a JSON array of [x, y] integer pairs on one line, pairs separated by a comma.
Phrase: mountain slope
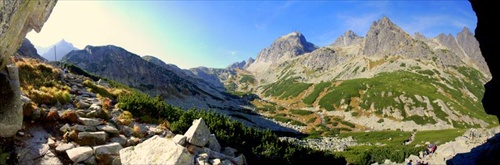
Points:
[[58, 50], [385, 80], [28, 50]]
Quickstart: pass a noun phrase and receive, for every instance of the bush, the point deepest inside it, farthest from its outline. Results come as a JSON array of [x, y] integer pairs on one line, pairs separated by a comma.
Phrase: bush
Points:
[[258, 146], [301, 112]]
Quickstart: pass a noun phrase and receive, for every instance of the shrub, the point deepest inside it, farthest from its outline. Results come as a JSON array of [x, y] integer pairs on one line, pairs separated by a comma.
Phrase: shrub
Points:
[[125, 118], [301, 112]]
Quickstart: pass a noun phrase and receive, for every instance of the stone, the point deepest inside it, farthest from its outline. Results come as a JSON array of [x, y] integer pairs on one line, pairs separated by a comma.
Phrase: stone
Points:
[[226, 162], [215, 161], [213, 144], [64, 147], [202, 159], [11, 109], [91, 138], [127, 131], [108, 128], [90, 121], [83, 128], [240, 160], [52, 116], [121, 139], [198, 134], [157, 150], [180, 139], [65, 128], [49, 158], [229, 151], [111, 148], [90, 161], [91, 114], [95, 107], [82, 104], [79, 154]]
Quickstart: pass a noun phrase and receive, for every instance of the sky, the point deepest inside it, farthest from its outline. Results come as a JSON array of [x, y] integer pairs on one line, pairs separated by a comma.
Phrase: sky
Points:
[[218, 33]]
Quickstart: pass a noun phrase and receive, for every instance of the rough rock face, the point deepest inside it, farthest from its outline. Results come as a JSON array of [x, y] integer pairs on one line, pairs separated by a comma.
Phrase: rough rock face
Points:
[[470, 47], [282, 49], [16, 19], [28, 50], [488, 37], [242, 64], [385, 39], [157, 150], [347, 39], [198, 134]]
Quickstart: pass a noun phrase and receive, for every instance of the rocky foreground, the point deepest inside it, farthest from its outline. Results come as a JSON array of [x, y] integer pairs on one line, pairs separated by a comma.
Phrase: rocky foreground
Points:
[[82, 132]]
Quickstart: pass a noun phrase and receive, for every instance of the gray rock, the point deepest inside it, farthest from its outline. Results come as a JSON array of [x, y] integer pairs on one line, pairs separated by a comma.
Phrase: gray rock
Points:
[[25, 100], [240, 160], [49, 158], [156, 150], [83, 104], [108, 128], [108, 149], [90, 121], [11, 111], [91, 138], [215, 161], [198, 134], [127, 131], [180, 139], [91, 114], [229, 151], [226, 162], [349, 38], [121, 139], [95, 107], [202, 159], [65, 146], [65, 128], [90, 161], [213, 144], [83, 128], [79, 154]]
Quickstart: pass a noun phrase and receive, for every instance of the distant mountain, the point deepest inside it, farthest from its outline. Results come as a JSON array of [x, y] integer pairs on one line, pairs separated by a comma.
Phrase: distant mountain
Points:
[[28, 50], [394, 80], [282, 49], [242, 64], [182, 88], [61, 49]]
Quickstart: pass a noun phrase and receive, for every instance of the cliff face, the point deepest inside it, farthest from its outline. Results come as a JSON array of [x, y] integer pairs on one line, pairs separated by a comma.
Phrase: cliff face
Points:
[[17, 18], [488, 37]]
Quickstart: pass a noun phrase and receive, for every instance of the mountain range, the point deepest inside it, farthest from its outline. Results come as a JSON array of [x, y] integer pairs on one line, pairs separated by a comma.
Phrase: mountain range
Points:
[[387, 79]]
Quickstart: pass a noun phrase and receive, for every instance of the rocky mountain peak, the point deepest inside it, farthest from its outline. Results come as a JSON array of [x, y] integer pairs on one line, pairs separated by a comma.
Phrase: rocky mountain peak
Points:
[[419, 36], [58, 50], [384, 36], [347, 39], [285, 47]]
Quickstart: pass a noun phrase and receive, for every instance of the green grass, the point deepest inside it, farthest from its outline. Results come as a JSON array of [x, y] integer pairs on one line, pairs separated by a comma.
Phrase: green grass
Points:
[[384, 137], [285, 89], [437, 136], [311, 120], [247, 79], [301, 112], [318, 88]]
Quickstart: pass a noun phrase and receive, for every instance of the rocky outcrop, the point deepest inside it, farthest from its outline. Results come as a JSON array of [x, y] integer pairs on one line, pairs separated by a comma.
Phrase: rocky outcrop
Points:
[[58, 50], [200, 147], [28, 50], [241, 65], [488, 37], [157, 150], [17, 18], [349, 38], [470, 47], [286, 47], [386, 39]]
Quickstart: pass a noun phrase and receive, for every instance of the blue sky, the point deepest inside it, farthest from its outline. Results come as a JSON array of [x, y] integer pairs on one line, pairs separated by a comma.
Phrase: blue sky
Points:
[[218, 33]]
